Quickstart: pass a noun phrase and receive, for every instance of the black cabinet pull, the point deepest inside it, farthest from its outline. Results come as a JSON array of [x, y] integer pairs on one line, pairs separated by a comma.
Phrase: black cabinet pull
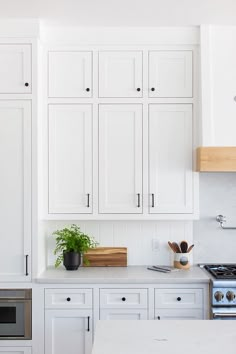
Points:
[[138, 89], [178, 298], [26, 265], [88, 329], [68, 299], [88, 200], [153, 200], [123, 298], [158, 317], [87, 89], [138, 200], [153, 89], [26, 84]]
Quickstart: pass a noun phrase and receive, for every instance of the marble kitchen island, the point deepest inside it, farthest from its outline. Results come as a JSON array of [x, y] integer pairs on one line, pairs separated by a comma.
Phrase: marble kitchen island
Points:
[[165, 337]]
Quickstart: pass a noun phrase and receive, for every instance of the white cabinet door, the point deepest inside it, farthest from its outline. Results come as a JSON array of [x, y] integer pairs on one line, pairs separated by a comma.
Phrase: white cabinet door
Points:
[[120, 74], [120, 158], [69, 74], [15, 190], [170, 158], [68, 331], [70, 158], [123, 314], [15, 350], [15, 68], [170, 73], [178, 314]]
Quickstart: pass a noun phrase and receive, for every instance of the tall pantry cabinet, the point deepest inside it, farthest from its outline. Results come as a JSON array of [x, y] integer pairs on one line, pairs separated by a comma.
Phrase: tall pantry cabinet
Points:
[[134, 109], [15, 160]]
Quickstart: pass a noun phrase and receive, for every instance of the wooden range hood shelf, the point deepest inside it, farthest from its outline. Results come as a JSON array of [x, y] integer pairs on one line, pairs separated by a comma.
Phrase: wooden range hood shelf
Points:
[[216, 159]]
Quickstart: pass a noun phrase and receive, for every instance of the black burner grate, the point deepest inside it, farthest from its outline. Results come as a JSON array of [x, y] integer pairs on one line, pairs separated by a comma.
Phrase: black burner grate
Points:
[[222, 271]]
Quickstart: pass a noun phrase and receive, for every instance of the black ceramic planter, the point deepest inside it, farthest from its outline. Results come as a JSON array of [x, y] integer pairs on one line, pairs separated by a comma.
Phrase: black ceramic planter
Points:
[[71, 260]]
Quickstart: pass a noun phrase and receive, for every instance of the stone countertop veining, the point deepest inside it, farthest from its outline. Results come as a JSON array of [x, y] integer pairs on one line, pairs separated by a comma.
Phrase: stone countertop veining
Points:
[[121, 275]]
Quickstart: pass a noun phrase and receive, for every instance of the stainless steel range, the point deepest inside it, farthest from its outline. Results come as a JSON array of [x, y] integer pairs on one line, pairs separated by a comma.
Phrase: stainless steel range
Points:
[[223, 291]]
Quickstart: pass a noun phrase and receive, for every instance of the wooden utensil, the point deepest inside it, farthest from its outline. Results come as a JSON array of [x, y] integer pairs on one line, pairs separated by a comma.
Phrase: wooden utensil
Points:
[[184, 246], [190, 248], [176, 247], [172, 247]]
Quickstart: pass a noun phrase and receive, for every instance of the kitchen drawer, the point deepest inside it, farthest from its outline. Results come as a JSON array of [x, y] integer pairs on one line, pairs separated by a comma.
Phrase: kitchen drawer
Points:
[[178, 298], [123, 298], [178, 314], [68, 298], [123, 314]]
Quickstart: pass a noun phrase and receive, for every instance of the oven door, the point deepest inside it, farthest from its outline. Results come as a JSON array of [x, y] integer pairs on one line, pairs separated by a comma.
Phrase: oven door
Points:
[[15, 319], [223, 313]]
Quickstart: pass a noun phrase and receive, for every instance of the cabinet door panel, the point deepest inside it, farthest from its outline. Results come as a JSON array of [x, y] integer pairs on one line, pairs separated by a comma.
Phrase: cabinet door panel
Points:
[[66, 331], [69, 74], [170, 73], [15, 350], [15, 188], [70, 158], [119, 314], [120, 74], [15, 68], [120, 159], [178, 314], [170, 158]]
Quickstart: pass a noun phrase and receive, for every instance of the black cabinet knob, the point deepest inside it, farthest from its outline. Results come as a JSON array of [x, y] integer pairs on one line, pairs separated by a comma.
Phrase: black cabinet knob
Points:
[[178, 298], [68, 299], [26, 84], [123, 299], [153, 89], [138, 89], [87, 89]]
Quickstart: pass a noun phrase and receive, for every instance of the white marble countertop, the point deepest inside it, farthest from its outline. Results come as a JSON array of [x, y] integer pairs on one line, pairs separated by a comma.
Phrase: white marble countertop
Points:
[[122, 275], [165, 337]]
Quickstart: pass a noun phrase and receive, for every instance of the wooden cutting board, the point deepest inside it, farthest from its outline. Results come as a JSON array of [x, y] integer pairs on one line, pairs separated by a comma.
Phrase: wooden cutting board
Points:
[[107, 257]]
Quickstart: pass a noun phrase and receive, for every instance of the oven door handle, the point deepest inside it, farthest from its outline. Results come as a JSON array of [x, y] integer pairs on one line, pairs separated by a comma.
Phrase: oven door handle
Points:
[[224, 314]]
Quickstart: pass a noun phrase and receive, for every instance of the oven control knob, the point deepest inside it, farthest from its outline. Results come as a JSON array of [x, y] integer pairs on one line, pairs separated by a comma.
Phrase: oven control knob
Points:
[[230, 295], [218, 296]]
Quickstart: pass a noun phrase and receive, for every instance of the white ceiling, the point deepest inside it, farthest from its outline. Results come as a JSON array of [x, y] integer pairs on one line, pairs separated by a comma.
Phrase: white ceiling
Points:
[[123, 12]]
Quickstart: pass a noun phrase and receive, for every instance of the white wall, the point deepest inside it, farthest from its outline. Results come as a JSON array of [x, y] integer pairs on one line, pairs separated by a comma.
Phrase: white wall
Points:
[[124, 12], [217, 196]]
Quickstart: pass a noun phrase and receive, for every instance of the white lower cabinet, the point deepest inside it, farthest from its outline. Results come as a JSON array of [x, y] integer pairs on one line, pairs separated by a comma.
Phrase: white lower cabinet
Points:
[[123, 304], [179, 304], [15, 350], [68, 331]]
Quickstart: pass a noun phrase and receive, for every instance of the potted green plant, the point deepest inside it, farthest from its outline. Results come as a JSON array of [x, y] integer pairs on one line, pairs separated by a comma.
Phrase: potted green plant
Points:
[[71, 242]]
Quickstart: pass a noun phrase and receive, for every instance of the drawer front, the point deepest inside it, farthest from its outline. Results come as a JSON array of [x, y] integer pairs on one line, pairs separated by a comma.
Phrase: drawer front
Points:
[[125, 314], [178, 298], [68, 298], [123, 298], [178, 314]]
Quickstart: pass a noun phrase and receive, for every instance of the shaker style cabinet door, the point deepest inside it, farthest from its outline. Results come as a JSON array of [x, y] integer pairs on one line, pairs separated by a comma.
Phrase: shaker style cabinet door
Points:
[[170, 74], [15, 190], [70, 158], [170, 158], [15, 350], [69, 74], [120, 74], [15, 68], [68, 331], [120, 158], [123, 314]]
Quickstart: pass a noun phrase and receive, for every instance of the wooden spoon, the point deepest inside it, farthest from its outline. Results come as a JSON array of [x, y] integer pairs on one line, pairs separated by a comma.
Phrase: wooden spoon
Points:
[[172, 247], [190, 248], [176, 247], [184, 246]]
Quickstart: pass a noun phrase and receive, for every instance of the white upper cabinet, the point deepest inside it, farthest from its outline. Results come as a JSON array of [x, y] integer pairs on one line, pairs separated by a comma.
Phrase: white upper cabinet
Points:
[[70, 158], [120, 158], [15, 68], [170, 158], [170, 73], [120, 74], [69, 74], [15, 190]]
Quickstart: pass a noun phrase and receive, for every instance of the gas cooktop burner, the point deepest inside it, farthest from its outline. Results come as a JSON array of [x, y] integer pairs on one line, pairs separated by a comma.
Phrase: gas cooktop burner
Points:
[[222, 271]]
